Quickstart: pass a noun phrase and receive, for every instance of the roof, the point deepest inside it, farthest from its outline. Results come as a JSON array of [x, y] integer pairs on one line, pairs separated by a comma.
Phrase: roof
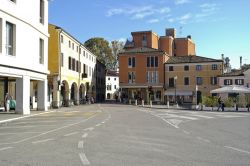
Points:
[[112, 73], [234, 73], [142, 50], [190, 59]]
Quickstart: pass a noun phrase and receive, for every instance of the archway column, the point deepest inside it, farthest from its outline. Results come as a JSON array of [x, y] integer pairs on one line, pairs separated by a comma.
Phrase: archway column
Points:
[[42, 95], [56, 93], [23, 95]]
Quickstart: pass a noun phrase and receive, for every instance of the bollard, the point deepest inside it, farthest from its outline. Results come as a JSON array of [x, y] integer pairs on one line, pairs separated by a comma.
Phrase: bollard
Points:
[[135, 102], [168, 104], [142, 103], [129, 101], [151, 103]]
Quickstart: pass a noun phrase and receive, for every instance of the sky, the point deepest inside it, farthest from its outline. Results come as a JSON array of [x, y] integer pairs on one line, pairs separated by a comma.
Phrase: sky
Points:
[[216, 26]]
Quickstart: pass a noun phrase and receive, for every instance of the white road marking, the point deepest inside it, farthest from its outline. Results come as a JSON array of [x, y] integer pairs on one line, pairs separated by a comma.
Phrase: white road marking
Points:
[[66, 135], [2, 149], [98, 125], [80, 144], [203, 116], [19, 133], [103, 122], [34, 122], [186, 132], [42, 141], [203, 139], [85, 135], [180, 116], [169, 123], [10, 127], [84, 159], [50, 131], [236, 149], [89, 129], [230, 116]]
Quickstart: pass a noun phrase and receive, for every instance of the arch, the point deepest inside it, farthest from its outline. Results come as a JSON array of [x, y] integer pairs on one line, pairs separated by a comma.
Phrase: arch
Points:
[[108, 96], [64, 93], [74, 93], [82, 93]]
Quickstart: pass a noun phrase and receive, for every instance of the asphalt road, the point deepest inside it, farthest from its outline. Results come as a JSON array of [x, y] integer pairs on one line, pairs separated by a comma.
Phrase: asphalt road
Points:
[[114, 135]]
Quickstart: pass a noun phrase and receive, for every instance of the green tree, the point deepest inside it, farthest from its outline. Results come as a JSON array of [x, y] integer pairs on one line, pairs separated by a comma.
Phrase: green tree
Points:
[[100, 47], [116, 47]]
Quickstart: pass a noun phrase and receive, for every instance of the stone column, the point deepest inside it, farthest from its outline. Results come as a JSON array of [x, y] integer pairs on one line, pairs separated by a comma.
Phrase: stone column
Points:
[[42, 89], [23, 95], [56, 93]]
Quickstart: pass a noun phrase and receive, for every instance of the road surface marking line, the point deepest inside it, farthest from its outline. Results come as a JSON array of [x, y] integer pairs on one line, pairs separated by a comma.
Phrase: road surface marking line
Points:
[[5, 148], [170, 123], [203, 116], [50, 131], [236, 149], [103, 122], [80, 144], [89, 129], [66, 135], [42, 141], [98, 125], [186, 132], [84, 159], [19, 133], [85, 135]]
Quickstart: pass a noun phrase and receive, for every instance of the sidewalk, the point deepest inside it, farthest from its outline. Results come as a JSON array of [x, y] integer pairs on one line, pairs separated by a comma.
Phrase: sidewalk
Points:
[[11, 116]]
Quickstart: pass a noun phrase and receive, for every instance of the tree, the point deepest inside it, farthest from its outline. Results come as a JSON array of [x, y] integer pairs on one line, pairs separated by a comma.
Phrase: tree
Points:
[[116, 47], [245, 66], [100, 47]]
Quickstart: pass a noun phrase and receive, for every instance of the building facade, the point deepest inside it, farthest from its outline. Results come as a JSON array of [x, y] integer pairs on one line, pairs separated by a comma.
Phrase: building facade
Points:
[[142, 63], [188, 78], [72, 66], [112, 85], [100, 82], [23, 53]]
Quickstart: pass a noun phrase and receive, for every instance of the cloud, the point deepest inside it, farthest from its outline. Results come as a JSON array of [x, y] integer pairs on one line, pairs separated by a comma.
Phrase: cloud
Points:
[[207, 9], [183, 19], [153, 21], [179, 2], [138, 12]]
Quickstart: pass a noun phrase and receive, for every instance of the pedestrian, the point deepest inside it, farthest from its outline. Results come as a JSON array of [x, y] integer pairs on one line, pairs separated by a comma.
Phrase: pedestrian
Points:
[[7, 99], [219, 103]]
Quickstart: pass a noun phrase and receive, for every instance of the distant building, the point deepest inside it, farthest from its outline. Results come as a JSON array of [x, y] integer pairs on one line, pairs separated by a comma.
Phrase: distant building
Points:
[[141, 63], [112, 85], [100, 89], [24, 53], [184, 75], [72, 67]]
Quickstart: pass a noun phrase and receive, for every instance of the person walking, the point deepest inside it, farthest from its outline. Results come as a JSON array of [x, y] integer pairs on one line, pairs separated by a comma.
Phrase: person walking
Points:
[[7, 99], [220, 104]]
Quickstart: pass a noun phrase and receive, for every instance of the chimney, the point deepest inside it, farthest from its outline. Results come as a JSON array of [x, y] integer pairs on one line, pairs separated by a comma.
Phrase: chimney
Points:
[[189, 37], [240, 61], [222, 57], [171, 32]]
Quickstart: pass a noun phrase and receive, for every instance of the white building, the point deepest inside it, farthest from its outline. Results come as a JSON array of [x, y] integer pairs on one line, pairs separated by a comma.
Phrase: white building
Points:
[[23, 52], [112, 85]]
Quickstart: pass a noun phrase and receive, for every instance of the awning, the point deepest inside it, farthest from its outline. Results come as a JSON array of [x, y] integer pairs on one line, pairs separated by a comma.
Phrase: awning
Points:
[[178, 93], [231, 89]]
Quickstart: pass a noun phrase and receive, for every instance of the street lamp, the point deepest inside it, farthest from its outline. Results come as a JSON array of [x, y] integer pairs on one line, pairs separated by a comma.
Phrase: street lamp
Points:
[[175, 79]]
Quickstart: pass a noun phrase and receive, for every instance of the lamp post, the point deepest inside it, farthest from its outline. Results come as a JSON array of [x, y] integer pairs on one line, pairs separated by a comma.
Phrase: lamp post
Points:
[[175, 79]]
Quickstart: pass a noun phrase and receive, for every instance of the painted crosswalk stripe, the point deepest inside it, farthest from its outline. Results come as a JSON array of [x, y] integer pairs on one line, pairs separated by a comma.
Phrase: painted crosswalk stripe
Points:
[[5, 148], [80, 144], [42, 141], [66, 135], [84, 159]]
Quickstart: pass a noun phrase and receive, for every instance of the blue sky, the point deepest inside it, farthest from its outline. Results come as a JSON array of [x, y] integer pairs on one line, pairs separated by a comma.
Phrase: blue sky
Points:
[[216, 26]]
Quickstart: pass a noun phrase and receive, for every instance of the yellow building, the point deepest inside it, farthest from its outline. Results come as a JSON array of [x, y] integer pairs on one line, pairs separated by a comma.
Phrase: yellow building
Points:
[[186, 76], [71, 66]]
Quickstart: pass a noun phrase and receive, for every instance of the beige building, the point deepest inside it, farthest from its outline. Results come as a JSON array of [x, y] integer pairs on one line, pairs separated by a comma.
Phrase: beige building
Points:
[[187, 75]]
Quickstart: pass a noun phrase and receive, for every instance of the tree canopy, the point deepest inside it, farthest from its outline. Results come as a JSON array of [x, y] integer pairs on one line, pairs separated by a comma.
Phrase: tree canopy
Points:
[[100, 47]]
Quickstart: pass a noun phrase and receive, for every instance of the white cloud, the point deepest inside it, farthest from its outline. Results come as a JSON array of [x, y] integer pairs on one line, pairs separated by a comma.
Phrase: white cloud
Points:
[[171, 20], [207, 9], [138, 12], [183, 19], [153, 21], [179, 2]]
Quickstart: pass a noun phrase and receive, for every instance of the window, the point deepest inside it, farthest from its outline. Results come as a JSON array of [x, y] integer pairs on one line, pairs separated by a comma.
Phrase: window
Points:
[[239, 82], [85, 69], [115, 87], [158, 95], [152, 77], [109, 87], [80, 50], [115, 79], [213, 80], [69, 63], [148, 61], [228, 82], [198, 67], [61, 38], [69, 43], [10, 38], [73, 64], [77, 66], [131, 77], [144, 40], [76, 48], [62, 61], [144, 37], [73, 46], [131, 62], [108, 78], [214, 66], [186, 80], [199, 80], [84, 53], [41, 51], [171, 68], [186, 68], [171, 82], [152, 61], [42, 11]]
